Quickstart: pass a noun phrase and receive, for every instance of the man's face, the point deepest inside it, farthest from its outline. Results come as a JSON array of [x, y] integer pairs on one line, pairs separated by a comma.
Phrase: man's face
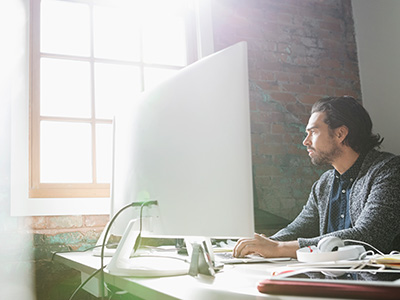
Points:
[[322, 146]]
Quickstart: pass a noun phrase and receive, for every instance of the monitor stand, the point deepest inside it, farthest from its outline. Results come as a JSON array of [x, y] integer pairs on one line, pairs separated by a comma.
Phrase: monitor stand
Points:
[[200, 260], [142, 266], [107, 251]]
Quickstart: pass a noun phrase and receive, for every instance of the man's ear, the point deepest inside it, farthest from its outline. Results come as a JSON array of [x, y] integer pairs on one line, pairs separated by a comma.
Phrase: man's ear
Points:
[[341, 133]]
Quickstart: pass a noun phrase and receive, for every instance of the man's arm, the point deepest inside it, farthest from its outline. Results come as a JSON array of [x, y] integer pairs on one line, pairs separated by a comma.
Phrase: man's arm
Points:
[[265, 247], [284, 243]]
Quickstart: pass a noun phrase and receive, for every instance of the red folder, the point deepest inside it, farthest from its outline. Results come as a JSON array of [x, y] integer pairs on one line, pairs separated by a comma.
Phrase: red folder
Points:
[[329, 289]]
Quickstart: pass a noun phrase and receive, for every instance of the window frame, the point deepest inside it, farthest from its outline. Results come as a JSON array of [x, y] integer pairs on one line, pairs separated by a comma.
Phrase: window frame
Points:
[[65, 190], [21, 202], [36, 188]]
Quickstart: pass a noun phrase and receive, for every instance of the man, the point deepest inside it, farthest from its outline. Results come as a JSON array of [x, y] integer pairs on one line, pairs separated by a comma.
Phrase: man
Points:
[[359, 199]]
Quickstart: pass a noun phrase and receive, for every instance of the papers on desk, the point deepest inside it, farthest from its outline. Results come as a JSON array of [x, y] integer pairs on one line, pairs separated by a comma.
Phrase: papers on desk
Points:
[[391, 260]]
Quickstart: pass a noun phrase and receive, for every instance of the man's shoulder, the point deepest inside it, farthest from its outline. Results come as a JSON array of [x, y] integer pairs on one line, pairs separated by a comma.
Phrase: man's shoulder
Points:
[[376, 164], [378, 159], [380, 164]]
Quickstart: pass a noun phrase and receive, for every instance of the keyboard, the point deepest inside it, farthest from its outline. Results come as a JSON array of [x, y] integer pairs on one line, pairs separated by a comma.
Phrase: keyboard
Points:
[[228, 258]]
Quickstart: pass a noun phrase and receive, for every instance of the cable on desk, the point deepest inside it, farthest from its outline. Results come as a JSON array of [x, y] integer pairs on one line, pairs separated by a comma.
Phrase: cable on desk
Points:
[[102, 266], [137, 243], [86, 281], [365, 244]]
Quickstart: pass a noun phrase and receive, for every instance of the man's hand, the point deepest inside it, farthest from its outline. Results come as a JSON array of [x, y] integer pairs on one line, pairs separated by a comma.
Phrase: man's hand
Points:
[[265, 247]]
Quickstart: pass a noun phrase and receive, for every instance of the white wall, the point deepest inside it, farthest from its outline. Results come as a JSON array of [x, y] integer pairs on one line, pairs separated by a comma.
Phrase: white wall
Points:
[[377, 28], [15, 253]]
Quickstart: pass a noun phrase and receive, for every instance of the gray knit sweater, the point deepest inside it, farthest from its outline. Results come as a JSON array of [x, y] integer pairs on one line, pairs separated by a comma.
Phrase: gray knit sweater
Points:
[[374, 207]]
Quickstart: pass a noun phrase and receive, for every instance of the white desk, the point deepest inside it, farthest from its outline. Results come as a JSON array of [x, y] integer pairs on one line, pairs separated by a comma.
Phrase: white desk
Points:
[[233, 282]]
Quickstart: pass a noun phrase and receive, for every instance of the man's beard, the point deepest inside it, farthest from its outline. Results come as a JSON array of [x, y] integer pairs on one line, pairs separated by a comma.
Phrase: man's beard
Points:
[[325, 157]]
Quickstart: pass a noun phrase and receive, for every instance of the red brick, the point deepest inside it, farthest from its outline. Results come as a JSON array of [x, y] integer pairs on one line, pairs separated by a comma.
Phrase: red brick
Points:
[[345, 92], [318, 80], [277, 128], [307, 79], [285, 18], [296, 78], [317, 90], [331, 63], [283, 97], [308, 41], [284, 47], [261, 170], [96, 221], [269, 85], [301, 61], [271, 148], [60, 222], [259, 117], [296, 88], [276, 116], [36, 222], [260, 128], [297, 109], [309, 99], [282, 77], [331, 26]]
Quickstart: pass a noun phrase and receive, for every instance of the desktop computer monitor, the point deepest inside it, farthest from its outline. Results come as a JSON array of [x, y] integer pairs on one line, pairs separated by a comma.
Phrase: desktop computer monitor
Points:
[[186, 144]]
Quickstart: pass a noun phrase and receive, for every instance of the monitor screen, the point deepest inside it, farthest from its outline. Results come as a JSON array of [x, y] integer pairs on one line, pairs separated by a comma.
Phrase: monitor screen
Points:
[[186, 144]]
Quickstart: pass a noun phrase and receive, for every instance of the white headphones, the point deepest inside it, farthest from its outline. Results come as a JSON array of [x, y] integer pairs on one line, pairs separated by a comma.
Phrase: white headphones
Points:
[[330, 244], [329, 249]]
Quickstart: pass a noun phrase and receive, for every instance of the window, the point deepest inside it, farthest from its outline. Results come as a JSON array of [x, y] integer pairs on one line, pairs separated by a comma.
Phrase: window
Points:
[[19, 60], [87, 58]]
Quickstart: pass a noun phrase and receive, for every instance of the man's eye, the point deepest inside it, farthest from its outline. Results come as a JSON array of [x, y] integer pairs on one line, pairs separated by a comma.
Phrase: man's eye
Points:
[[308, 133]]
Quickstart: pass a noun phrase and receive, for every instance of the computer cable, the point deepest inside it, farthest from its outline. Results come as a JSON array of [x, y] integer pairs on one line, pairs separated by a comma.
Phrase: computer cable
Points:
[[137, 243], [370, 258], [102, 266], [365, 244], [139, 237], [84, 282]]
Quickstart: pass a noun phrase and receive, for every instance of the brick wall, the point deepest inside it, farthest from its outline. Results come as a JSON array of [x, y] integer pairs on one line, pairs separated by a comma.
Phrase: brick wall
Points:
[[299, 51], [61, 234]]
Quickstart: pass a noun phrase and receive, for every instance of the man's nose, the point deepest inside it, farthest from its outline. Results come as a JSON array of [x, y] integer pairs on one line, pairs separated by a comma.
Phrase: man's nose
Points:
[[306, 141]]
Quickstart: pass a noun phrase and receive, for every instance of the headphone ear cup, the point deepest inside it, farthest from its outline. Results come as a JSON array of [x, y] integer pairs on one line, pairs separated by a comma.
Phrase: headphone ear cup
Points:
[[330, 244]]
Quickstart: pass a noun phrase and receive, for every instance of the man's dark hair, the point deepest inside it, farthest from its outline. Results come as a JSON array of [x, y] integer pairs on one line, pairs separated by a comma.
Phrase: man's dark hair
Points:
[[349, 112]]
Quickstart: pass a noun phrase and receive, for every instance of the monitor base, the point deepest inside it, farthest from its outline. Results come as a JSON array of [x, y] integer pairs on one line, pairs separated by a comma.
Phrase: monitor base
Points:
[[150, 266]]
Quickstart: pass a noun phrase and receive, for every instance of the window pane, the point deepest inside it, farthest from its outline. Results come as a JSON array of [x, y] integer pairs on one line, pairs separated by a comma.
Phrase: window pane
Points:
[[114, 85], [65, 153], [164, 41], [65, 88], [65, 28], [104, 153], [116, 34], [153, 76], [94, 56]]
